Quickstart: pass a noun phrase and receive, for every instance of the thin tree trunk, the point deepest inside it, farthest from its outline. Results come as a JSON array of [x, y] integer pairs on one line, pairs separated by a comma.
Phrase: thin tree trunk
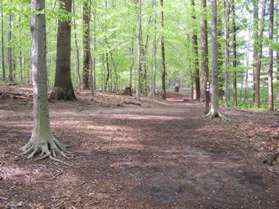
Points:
[[154, 50], [86, 43], [3, 43], [140, 49], [76, 45], [205, 94], [270, 70], [10, 52], [214, 111], [94, 43], [227, 49], [234, 56], [196, 56], [256, 44], [21, 64], [258, 61], [164, 92]]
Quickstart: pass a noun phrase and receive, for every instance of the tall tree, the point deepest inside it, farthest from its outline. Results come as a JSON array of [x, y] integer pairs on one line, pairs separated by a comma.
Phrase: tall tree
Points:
[[86, 43], [259, 60], [63, 87], [163, 76], [42, 141], [227, 48], [154, 50], [140, 48], [270, 70], [205, 95], [196, 90], [214, 109], [76, 45], [10, 50], [256, 44], [3, 43], [234, 29]]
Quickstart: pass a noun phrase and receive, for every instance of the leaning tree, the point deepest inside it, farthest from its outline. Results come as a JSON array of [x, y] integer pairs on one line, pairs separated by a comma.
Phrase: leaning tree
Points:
[[42, 141]]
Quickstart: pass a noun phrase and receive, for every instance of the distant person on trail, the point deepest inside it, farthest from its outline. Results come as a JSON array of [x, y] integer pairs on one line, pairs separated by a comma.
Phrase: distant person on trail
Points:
[[177, 87]]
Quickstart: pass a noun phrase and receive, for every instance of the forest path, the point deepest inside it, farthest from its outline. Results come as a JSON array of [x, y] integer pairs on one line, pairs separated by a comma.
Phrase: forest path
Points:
[[158, 155]]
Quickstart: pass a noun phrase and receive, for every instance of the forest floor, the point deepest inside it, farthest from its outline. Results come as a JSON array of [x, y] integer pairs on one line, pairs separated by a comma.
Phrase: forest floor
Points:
[[131, 155]]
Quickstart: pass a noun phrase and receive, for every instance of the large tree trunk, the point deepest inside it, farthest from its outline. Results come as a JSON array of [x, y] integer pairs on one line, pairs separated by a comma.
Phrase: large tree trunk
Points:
[[42, 141], [196, 89], [63, 87], [163, 76], [270, 70], [86, 43], [205, 95], [214, 111], [2, 42]]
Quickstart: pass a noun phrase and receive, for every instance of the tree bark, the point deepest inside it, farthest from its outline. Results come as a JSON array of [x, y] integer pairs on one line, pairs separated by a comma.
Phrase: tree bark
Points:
[[154, 50], [10, 51], [270, 70], [163, 76], [3, 43], [227, 49], [63, 87], [140, 50], [205, 95], [196, 89], [76, 46], [42, 141], [86, 43], [256, 45], [234, 56], [214, 111], [259, 61]]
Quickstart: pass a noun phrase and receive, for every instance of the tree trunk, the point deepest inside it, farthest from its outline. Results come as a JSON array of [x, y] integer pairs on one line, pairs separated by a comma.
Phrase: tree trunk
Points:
[[140, 50], [63, 87], [227, 49], [259, 61], [205, 95], [214, 111], [42, 141], [256, 46], [154, 51], [270, 70], [10, 52], [164, 92], [3, 43], [196, 56], [86, 43], [234, 56], [76, 46]]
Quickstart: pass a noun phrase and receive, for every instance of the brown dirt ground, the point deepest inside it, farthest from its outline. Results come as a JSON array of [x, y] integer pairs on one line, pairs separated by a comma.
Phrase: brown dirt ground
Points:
[[156, 155]]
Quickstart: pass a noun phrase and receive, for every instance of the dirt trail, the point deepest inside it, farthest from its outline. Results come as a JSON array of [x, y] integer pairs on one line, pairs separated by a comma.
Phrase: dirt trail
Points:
[[158, 155]]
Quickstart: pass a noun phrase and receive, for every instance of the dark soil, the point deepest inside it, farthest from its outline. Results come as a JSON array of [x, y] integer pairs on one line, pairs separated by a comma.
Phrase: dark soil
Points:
[[152, 155]]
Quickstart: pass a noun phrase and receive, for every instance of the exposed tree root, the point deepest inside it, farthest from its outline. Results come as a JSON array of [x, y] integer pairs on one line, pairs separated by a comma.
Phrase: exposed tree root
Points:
[[213, 115], [44, 149], [271, 159]]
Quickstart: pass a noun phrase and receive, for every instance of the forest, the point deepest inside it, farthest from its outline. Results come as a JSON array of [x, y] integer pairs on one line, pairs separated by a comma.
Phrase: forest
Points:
[[139, 104]]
